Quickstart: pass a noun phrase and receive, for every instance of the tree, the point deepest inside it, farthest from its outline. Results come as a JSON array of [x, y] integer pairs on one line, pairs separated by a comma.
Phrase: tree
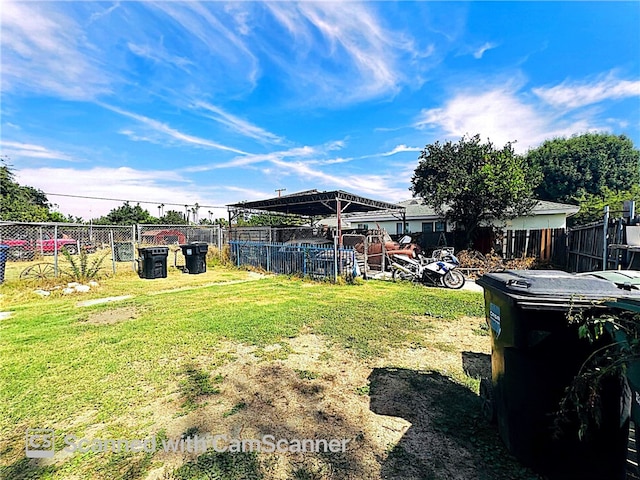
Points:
[[23, 203], [173, 217], [126, 215], [270, 220], [470, 182], [592, 206], [585, 164]]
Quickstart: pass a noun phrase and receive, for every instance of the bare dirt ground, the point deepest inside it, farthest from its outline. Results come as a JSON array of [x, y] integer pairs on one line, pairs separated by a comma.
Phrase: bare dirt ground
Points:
[[402, 419]]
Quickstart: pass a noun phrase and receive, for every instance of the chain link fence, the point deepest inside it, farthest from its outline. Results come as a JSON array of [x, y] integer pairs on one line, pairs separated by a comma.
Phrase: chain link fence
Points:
[[37, 249], [311, 235], [151, 235], [319, 262]]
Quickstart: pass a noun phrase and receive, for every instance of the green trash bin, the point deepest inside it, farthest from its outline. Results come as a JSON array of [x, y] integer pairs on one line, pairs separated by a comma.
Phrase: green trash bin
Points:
[[153, 262], [535, 355], [195, 255]]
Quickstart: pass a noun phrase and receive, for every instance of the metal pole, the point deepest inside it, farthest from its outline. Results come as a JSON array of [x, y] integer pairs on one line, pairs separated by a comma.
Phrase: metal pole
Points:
[[335, 258], [41, 243], [55, 250], [113, 252], [605, 228], [133, 248], [339, 220]]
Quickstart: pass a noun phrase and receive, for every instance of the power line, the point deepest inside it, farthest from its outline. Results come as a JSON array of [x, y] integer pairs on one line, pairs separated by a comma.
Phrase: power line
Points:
[[131, 201]]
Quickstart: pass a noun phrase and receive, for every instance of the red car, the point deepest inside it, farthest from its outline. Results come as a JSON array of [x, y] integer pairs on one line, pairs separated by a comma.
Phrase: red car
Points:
[[26, 249]]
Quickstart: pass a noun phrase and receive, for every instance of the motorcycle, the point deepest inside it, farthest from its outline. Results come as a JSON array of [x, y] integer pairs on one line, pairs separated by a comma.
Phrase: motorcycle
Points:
[[438, 270]]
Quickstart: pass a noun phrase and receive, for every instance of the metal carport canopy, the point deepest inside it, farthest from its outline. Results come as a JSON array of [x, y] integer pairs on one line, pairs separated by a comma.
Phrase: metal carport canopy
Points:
[[312, 203]]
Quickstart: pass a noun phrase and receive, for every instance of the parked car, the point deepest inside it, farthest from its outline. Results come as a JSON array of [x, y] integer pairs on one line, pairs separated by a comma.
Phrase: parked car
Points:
[[310, 257], [27, 248]]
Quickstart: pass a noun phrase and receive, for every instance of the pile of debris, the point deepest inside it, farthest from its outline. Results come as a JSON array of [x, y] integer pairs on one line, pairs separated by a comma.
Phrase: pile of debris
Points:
[[73, 287], [476, 264]]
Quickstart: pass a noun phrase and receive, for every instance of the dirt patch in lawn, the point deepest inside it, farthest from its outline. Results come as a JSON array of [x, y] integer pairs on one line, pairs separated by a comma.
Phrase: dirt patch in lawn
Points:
[[398, 416], [109, 317]]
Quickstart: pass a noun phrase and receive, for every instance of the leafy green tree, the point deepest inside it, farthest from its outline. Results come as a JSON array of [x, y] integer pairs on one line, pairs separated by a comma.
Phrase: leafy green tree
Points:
[[23, 203], [270, 220], [126, 215], [470, 182], [593, 163], [173, 217], [592, 206]]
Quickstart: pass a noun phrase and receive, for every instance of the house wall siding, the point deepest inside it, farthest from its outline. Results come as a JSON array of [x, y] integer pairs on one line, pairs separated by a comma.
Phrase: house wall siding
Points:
[[535, 222]]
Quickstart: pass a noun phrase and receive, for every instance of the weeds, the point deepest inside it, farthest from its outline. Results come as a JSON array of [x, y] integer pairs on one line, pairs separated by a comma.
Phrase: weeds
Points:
[[80, 269], [235, 409]]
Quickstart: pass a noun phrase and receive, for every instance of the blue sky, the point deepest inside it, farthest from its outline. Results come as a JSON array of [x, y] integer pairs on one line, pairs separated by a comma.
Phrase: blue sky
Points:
[[218, 102]]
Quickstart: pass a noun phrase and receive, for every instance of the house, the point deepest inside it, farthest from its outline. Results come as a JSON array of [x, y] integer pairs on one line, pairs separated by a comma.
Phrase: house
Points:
[[430, 229], [163, 237]]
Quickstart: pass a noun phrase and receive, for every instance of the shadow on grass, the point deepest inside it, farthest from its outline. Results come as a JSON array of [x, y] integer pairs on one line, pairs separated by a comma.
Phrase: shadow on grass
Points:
[[448, 438], [26, 468]]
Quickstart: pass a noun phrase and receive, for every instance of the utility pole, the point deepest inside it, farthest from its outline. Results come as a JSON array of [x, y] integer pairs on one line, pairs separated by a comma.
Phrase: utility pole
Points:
[[280, 190]]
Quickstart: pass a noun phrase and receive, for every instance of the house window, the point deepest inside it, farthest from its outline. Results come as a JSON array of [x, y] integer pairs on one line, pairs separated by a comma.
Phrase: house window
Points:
[[427, 227], [399, 229], [441, 226], [363, 226]]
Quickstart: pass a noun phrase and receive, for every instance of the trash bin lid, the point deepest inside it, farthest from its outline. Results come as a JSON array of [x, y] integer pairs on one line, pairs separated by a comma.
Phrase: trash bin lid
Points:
[[551, 289], [621, 278]]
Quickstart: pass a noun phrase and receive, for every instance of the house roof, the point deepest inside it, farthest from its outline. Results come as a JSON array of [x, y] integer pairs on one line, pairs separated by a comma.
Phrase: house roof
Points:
[[415, 209]]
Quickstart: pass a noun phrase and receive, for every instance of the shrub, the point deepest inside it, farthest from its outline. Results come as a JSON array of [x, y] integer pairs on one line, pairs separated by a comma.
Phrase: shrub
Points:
[[80, 269]]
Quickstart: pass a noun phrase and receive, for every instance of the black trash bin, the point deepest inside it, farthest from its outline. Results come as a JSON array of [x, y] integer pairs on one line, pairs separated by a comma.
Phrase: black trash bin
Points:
[[4, 250], [153, 262], [535, 355], [195, 255]]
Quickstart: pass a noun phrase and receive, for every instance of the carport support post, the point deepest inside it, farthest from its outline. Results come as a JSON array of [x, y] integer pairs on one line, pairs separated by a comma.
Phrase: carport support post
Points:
[[335, 258], [339, 220], [605, 228]]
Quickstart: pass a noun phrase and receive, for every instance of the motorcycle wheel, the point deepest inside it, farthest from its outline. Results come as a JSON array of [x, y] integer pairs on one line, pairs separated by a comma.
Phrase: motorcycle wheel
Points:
[[453, 279], [397, 275]]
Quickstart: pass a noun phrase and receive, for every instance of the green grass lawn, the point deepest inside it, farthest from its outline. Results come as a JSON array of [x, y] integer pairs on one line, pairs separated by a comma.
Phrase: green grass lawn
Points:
[[104, 367]]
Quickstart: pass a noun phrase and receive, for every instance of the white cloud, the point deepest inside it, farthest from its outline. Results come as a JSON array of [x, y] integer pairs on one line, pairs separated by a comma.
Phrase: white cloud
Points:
[[248, 193], [199, 21], [17, 150], [120, 183], [401, 148], [46, 51], [239, 125], [480, 51], [579, 94], [165, 129], [502, 116], [377, 186], [251, 159], [158, 53], [360, 59]]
